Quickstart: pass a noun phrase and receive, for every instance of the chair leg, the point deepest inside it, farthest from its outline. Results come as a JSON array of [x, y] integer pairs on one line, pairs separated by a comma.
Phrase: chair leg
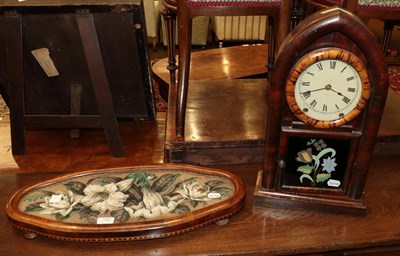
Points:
[[154, 43], [170, 21], [297, 13], [271, 46], [185, 42], [387, 34]]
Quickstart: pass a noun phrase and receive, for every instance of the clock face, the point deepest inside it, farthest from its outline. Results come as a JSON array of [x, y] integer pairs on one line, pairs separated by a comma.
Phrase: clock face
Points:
[[328, 88]]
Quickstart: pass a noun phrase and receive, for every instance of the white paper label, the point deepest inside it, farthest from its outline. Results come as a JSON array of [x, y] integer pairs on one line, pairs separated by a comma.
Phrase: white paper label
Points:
[[55, 198], [334, 183], [214, 195], [105, 220], [42, 55]]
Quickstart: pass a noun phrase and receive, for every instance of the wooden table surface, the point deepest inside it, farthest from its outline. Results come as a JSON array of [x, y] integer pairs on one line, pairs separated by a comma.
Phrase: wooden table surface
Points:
[[254, 230], [227, 63]]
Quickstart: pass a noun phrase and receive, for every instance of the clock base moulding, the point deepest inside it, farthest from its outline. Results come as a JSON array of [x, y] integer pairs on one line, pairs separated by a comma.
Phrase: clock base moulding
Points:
[[282, 199]]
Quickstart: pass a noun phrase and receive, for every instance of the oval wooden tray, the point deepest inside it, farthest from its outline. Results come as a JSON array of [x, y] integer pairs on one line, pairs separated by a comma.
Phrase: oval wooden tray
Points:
[[122, 204]]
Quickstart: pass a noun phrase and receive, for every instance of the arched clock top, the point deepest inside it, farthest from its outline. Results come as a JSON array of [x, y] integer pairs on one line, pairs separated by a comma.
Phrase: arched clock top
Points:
[[332, 21]]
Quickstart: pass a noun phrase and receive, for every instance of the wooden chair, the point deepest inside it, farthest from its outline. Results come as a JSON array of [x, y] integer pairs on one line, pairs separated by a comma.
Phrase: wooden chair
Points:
[[186, 10], [386, 10]]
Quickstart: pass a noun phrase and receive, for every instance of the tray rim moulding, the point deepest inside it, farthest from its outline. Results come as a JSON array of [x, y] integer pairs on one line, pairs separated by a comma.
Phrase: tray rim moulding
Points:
[[33, 225]]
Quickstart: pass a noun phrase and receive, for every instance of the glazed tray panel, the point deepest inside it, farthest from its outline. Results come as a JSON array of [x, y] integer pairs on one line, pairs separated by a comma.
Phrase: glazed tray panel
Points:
[[132, 203]]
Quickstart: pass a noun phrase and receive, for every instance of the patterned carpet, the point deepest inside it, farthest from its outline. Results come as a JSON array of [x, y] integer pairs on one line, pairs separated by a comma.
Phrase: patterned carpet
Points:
[[161, 105], [394, 78]]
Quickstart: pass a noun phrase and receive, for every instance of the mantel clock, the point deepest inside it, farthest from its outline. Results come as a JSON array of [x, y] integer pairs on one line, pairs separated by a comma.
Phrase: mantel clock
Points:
[[325, 103]]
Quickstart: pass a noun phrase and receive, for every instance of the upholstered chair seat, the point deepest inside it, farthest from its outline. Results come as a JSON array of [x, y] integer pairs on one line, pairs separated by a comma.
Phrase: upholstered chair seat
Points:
[[363, 5], [237, 3], [379, 5], [385, 10]]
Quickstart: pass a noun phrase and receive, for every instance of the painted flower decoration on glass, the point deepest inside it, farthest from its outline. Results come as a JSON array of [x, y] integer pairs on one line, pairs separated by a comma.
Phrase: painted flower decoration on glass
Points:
[[137, 196], [316, 167]]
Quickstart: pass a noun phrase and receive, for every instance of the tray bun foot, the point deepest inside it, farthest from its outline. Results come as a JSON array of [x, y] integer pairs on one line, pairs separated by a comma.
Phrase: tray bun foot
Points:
[[29, 235], [222, 222]]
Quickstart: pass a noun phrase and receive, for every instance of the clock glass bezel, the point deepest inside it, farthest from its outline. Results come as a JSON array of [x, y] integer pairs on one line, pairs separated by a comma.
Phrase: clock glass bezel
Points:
[[317, 56]]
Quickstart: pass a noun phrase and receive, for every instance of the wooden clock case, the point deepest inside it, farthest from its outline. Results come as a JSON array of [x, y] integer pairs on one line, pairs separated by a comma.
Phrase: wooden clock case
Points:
[[329, 28]]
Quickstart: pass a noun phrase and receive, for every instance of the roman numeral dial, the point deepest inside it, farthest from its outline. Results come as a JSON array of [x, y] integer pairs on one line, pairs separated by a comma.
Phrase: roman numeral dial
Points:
[[328, 87]]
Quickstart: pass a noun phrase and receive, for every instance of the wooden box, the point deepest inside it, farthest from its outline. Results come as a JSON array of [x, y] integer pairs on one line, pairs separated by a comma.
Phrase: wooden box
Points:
[[52, 25]]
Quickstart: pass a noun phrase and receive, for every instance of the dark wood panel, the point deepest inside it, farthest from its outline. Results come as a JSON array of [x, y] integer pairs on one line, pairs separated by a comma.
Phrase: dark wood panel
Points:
[[120, 54], [124, 54], [126, 62], [50, 95], [3, 65]]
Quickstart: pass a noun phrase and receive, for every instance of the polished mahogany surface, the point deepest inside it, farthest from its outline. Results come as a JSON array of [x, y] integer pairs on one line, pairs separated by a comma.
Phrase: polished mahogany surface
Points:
[[227, 63], [226, 110], [253, 231]]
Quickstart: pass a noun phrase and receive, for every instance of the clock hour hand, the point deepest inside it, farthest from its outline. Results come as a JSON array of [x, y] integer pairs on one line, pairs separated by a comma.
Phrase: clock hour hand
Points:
[[326, 87], [310, 91]]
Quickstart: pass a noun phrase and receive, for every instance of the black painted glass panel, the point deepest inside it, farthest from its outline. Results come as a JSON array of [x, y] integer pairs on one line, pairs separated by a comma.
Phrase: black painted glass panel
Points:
[[316, 162]]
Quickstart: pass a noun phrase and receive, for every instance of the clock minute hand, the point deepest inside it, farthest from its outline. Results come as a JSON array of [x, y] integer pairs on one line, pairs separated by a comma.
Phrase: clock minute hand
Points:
[[338, 93]]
